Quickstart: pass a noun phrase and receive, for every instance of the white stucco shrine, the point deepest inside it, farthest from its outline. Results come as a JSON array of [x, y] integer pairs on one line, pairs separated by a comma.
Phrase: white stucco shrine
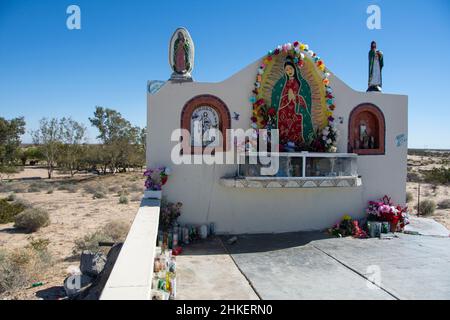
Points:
[[338, 148]]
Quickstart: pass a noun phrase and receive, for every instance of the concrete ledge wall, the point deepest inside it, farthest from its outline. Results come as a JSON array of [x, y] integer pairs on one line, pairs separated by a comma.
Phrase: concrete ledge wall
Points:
[[131, 277]]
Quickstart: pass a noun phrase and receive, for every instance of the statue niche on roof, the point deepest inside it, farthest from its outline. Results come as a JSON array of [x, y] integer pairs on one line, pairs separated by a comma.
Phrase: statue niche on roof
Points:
[[181, 55]]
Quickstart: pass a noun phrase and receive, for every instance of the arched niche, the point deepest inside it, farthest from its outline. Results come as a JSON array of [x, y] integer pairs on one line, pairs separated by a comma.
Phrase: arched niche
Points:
[[200, 113], [367, 130]]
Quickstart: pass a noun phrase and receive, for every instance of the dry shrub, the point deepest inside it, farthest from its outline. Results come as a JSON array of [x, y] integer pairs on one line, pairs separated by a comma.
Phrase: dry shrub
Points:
[[409, 197], [19, 188], [117, 230], [136, 187], [114, 189], [8, 211], [71, 188], [93, 188], [32, 220], [19, 268], [36, 187], [136, 198], [114, 231], [444, 204], [427, 207]]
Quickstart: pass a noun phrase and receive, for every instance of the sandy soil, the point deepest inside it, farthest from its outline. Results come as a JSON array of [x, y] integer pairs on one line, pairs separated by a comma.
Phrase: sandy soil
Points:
[[73, 215], [437, 193]]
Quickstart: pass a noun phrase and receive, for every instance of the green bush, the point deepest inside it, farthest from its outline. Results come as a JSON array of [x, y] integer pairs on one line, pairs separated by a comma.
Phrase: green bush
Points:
[[32, 220], [413, 177], [123, 192], [437, 175], [99, 195], [9, 210], [427, 207], [123, 199], [12, 197], [409, 197]]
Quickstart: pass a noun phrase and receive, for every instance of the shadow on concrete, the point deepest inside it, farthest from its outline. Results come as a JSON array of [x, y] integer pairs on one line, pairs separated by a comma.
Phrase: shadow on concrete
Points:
[[252, 243], [271, 242]]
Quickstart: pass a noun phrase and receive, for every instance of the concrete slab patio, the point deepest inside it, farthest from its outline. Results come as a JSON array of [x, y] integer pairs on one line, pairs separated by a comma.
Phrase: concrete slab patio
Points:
[[206, 272], [311, 265]]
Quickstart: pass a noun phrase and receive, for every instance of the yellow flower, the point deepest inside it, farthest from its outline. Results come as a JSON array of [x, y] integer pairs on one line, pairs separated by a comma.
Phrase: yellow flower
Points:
[[347, 218]]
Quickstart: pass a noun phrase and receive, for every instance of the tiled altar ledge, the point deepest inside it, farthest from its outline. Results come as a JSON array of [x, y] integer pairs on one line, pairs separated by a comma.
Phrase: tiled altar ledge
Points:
[[297, 182]]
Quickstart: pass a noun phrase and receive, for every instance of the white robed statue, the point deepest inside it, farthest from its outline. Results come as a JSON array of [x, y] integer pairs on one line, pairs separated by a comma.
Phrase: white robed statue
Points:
[[375, 67]]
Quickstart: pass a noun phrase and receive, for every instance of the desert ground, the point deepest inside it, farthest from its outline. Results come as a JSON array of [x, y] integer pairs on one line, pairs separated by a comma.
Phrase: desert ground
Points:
[[435, 192], [74, 213]]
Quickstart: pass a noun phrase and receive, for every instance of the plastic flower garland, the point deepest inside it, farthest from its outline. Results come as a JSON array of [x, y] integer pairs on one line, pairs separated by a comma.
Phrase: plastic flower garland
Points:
[[298, 51], [156, 178]]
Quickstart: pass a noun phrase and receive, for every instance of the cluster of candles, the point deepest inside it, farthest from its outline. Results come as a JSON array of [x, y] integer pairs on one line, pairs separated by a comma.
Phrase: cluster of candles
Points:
[[164, 284]]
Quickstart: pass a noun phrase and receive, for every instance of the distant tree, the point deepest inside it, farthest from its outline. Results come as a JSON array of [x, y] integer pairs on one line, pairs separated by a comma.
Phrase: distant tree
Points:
[[73, 135], [30, 153], [143, 139], [122, 141], [111, 125], [10, 133], [49, 139]]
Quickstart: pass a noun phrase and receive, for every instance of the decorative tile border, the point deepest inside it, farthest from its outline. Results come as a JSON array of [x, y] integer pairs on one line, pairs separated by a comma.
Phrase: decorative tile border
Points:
[[291, 183]]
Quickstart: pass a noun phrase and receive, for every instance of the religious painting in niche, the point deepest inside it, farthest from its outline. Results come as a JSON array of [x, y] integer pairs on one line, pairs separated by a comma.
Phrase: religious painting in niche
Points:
[[207, 119], [204, 127], [366, 131], [181, 55], [291, 99], [292, 94]]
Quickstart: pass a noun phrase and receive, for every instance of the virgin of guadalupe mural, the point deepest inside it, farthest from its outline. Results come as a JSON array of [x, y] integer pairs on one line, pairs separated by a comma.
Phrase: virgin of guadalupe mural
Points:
[[181, 55], [291, 98]]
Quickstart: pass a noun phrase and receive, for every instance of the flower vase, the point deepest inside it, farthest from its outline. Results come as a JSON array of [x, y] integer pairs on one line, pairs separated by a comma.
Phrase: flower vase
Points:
[[153, 194], [394, 226]]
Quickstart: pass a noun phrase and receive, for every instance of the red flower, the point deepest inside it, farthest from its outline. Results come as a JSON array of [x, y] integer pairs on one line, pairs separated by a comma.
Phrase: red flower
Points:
[[272, 112], [269, 58], [296, 44], [260, 102], [254, 119], [277, 51], [332, 107]]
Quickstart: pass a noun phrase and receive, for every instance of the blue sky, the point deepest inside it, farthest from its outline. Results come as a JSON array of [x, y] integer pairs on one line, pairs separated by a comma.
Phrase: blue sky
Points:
[[48, 70]]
